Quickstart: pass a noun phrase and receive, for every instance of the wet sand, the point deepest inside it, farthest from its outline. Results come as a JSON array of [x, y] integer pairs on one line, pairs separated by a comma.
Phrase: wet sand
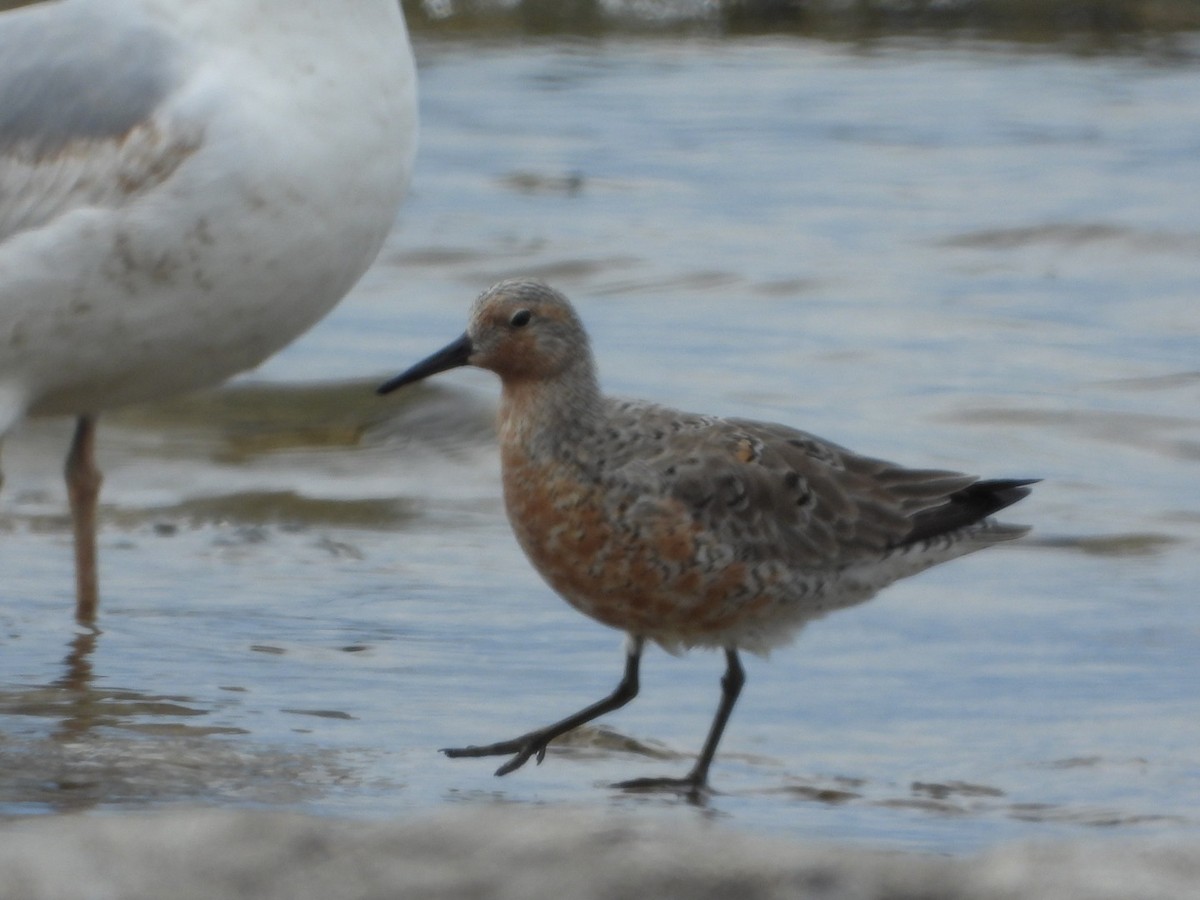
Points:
[[527, 854]]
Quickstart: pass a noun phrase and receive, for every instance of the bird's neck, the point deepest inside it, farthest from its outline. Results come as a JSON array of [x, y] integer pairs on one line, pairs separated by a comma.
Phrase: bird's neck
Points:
[[544, 419]]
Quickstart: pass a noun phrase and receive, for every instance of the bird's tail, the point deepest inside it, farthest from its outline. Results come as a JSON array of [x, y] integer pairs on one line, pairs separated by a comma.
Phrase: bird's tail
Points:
[[970, 506]]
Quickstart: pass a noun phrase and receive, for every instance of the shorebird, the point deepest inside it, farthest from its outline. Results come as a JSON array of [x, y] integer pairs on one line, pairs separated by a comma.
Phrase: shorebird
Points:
[[185, 187], [691, 530]]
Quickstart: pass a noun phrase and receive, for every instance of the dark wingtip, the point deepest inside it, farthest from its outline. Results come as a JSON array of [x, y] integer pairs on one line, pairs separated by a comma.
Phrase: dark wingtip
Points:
[[1006, 491], [972, 504]]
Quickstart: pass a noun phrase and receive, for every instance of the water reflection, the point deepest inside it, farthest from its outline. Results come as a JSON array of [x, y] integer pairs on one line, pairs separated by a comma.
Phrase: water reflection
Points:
[[78, 661], [107, 746], [78, 707]]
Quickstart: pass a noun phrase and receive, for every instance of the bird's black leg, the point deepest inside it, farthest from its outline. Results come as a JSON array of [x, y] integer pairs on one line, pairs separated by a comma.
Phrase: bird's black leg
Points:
[[694, 783], [535, 742]]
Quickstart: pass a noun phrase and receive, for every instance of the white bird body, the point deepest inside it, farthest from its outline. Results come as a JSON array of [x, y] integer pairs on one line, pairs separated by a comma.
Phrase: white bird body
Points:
[[255, 184], [185, 187]]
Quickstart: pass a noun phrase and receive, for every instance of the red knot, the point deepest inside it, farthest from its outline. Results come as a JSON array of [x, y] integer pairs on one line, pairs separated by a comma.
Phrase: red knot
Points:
[[691, 530]]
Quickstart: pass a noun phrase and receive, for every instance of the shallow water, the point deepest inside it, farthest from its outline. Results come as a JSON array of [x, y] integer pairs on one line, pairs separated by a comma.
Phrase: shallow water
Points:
[[959, 255]]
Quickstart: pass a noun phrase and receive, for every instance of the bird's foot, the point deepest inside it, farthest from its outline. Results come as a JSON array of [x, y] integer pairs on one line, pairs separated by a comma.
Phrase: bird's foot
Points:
[[692, 787], [528, 746]]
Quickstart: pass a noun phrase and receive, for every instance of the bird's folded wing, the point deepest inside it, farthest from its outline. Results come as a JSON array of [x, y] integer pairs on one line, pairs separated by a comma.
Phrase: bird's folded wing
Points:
[[80, 93], [776, 493]]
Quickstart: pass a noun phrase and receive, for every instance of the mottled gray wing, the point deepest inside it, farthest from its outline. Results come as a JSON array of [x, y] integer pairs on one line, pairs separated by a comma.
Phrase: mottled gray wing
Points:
[[776, 493], [75, 77]]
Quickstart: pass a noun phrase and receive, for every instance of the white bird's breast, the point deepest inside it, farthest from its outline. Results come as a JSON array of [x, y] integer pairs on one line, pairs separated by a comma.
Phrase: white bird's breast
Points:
[[213, 233]]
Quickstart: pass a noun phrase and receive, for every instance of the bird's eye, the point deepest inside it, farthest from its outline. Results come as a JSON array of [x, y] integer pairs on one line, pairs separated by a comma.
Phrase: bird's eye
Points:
[[520, 318]]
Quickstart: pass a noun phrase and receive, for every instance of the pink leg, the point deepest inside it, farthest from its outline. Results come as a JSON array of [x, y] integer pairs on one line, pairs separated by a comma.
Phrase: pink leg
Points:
[[83, 487]]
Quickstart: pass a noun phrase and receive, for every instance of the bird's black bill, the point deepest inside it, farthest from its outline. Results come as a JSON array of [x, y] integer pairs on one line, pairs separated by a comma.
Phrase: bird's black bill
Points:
[[449, 357]]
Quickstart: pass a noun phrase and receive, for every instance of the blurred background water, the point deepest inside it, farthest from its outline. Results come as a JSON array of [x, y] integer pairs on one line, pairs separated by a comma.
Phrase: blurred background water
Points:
[[961, 235]]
